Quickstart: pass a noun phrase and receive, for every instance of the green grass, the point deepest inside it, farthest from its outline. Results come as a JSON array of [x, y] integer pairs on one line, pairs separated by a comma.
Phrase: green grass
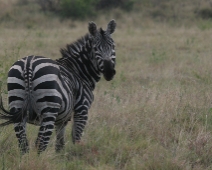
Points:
[[155, 115]]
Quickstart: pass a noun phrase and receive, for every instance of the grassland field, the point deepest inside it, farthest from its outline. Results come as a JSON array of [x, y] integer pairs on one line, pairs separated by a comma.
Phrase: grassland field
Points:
[[155, 115]]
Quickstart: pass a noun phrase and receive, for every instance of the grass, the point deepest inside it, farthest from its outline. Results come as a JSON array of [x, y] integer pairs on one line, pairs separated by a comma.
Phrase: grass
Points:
[[155, 115]]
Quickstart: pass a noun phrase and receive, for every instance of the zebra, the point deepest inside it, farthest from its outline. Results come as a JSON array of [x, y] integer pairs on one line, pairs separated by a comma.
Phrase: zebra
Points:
[[49, 93]]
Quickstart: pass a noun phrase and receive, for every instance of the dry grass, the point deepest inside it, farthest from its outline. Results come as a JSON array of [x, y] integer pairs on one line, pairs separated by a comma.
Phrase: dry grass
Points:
[[155, 115]]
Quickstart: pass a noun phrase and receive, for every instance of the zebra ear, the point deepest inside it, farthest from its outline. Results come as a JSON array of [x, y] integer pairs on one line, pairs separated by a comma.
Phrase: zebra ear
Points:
[[92, 28], [111, 26]]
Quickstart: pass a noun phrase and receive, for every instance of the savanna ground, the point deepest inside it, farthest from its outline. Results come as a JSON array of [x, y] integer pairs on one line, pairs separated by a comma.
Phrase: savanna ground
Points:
[[155, 115]]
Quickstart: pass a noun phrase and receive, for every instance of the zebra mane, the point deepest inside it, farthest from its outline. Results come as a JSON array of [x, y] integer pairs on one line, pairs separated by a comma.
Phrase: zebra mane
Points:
[[73, 49]]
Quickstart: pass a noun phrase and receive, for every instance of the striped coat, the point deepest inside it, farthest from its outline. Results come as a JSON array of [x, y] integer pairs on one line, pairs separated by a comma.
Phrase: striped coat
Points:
[[46, 92]]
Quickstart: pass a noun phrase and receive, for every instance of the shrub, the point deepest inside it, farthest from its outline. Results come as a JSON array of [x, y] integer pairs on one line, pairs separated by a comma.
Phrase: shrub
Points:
[[204, 13], [108, 4], [48, 5], [77, 8]]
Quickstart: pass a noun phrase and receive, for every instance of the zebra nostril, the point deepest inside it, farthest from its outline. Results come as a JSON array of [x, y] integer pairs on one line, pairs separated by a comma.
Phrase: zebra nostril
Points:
[[114, 72], [109, 70]]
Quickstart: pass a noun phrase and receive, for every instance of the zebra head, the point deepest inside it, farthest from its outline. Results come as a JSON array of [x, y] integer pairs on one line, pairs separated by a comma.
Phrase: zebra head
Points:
[[103, 48]]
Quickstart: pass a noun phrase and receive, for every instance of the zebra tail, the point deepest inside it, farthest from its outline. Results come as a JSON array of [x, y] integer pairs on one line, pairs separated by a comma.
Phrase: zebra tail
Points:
[[12, 117]]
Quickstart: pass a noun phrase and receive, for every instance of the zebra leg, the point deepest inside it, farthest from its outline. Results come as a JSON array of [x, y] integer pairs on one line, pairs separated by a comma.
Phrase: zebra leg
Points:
[[60, 132], [46, 129], [80, 119], [21, 135], [20, 131]]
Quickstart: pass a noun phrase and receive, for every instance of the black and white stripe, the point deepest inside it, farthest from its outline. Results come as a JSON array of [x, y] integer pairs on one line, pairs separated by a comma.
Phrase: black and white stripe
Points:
[[45, 92]]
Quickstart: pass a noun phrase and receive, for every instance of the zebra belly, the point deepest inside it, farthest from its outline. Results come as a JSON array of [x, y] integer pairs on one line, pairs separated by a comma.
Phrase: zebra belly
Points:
[[61, 118]]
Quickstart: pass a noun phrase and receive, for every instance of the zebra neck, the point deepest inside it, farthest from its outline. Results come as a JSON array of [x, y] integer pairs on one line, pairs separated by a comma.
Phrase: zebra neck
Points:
[[80, 71], [77, 61]]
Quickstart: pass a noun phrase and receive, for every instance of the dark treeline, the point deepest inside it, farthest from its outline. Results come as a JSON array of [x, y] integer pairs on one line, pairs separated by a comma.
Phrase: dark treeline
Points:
[[162, 9], [82, 8]]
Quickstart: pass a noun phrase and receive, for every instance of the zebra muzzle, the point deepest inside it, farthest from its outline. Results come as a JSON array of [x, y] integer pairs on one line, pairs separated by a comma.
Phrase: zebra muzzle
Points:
[[109, 70]]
